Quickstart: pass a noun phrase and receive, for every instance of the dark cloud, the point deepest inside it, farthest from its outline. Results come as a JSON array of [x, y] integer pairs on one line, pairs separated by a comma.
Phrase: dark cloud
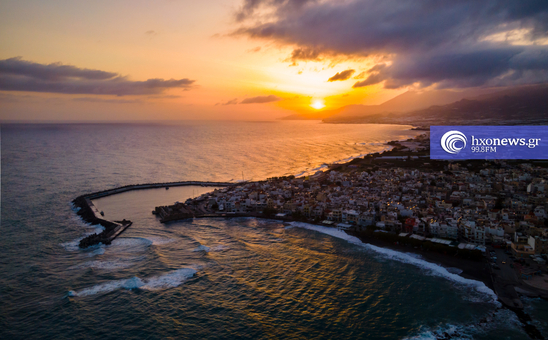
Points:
[[54, 72], [342, 75], [492, 67], [303, 54], [20, 75], [110, 101], [250, 8], [261, 99], [151, 32], [425, 41], [371, 80]]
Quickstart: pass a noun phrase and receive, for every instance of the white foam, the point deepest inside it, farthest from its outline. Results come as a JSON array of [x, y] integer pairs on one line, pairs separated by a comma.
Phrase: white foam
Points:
[[74, 207], [169, 280], [302, 173], [158, 241], [202, 248], [71, 246], [454, 270], [166, 281], [220, 247], [446, 331], [432, 268], [499, 319], [100, 250], [107, 287], [74, 244], [323, 166], [129, 244], [106, 265]]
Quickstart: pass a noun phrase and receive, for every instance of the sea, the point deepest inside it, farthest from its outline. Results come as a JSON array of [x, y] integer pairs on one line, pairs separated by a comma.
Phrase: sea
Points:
[[239, 278]]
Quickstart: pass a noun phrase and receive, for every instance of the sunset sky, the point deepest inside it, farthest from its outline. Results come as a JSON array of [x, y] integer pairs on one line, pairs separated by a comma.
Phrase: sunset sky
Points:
[[255, 59]]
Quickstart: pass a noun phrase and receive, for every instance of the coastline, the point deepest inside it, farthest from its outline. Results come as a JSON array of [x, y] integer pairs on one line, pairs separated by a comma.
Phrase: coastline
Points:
[[473, 270], [90, 214], [475, 273]]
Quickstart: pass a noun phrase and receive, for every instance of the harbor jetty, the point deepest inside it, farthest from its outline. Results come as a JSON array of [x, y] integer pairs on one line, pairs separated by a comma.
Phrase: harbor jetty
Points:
[[90, 214]]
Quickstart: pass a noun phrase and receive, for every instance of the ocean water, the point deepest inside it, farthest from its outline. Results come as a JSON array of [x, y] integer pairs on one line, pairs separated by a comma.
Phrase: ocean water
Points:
[[210, 278]]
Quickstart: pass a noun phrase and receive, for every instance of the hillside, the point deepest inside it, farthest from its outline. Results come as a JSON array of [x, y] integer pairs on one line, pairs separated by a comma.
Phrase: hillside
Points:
[[405, 102], [527, 104]]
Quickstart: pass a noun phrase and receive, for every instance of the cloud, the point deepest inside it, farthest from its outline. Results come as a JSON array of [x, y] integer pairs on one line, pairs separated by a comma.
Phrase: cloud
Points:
[[230, 102], [344, 75], [361, 75], [53, 72], [20, 75], [250, 8], [110, 101], [164, 96], [254, 50], [260, 99], [371, 80], [424, 42], [26, 98], [303, 54], [151, 32]]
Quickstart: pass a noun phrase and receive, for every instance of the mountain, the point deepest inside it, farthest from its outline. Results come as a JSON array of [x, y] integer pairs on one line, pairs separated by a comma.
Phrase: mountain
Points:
[[525, 104], [405, 102]]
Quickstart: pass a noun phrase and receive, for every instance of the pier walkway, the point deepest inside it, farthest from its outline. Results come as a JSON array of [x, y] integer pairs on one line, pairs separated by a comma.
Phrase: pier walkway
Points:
[[89, 212]]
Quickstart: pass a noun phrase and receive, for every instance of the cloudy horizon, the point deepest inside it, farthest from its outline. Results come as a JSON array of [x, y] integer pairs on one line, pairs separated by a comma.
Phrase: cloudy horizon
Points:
[[257, 59]]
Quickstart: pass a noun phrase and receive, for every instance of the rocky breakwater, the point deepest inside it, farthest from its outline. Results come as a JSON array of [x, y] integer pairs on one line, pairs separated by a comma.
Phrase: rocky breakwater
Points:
[[88, 212], [179, 211], [106, 236]]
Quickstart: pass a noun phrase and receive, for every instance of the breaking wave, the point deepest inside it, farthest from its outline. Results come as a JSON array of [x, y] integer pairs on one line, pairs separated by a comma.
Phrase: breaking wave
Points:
[[499, 319], [130, 244], [158, 241], [207, 249], [220, 247], [432, 268], [73, 245], [166, 281], [202, 248], [106, 265]]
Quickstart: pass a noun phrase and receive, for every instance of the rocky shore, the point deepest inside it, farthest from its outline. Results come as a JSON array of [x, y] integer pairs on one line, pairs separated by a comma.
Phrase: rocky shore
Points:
[[89, 215], [471, 269]]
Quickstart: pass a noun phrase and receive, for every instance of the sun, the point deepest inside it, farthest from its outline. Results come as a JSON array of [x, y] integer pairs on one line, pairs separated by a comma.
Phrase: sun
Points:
[[318, 104]]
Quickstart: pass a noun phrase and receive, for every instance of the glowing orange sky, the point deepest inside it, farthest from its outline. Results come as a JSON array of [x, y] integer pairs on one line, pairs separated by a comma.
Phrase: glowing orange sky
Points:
[[165, 39], [255, 59]]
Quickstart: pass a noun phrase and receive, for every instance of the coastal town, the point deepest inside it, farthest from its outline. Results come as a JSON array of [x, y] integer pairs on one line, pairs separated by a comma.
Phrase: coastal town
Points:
[[490, 211], [484, 220], [477, 204]]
